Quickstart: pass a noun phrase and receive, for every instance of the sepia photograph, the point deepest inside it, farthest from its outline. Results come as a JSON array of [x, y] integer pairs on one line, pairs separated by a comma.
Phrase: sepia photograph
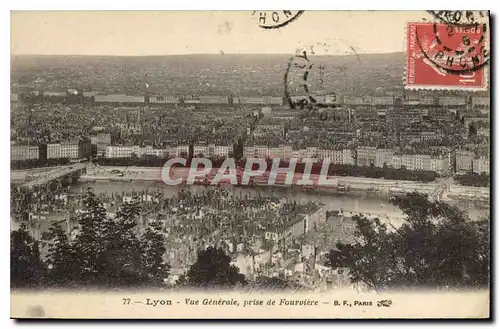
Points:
[[250, 164]]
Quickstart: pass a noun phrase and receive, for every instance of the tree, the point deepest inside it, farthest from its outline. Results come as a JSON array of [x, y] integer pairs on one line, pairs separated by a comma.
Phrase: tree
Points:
[[89, 245], [437, 246], [60, 257], [26, 267], [108, 251], [473, 179], [212, 269], [153, 248]]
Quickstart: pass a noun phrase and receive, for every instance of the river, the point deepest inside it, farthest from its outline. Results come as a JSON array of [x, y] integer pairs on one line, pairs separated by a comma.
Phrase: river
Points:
[[357, 203]]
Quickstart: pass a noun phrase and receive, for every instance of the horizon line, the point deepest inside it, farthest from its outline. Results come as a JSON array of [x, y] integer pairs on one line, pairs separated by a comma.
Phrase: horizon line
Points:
[[210, 54]]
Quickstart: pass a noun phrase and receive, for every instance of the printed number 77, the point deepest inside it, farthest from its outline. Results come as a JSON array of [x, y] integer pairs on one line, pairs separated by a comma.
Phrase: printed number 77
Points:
[[126, 301]]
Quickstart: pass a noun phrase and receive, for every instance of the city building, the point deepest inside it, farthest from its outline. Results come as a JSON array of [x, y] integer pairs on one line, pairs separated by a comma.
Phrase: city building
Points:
[[200, 150], [261, 151], [101, 141], [357, 100], [272, 100], [94, 93], [23, 152], [222, 150], [408, 161], [266, 110], [366, 155], [452, 101], [464, 160], [54, 94], [250, 100], [274, 153], [427, 101], [481, 101], [481, 165], [483, 132], [249, 152], [422, 162], [383, 101], [54, 151], [76, 149], [214, 99], [312, 152], [118, 98], [397, 161], [348, 157], [157, 99], [122, 151], [439, 164], [182, 151], [383, 157], [286, 151]]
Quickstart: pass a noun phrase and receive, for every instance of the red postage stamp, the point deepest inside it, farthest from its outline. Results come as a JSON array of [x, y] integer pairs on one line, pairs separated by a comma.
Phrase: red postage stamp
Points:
[[447, 56]]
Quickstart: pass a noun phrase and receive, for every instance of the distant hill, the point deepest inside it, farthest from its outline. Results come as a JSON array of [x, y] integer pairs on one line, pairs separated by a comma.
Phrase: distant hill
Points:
[[205, 74]]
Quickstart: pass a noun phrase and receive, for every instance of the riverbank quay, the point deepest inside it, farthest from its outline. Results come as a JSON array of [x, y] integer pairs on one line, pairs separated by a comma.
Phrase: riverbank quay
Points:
[[383, 187]]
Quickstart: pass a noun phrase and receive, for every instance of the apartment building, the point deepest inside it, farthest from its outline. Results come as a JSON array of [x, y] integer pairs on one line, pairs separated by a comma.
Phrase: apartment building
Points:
[[452, 101], [286, 151], [249, 152], [249, 100], [122, 151], [73, 149], [118, 98], [383, 157], [481, 165], [214, 99], [384, 101], [127, 151], [101, 142], [272, 100], [182, 150], [54, 151], [261, 151], [24, 152], [439, 164], [200, 150], [397, 161], [274, 153], [464, 160], [312, 152], [348, 157], [422, 162], [481, 101], [366, 155]]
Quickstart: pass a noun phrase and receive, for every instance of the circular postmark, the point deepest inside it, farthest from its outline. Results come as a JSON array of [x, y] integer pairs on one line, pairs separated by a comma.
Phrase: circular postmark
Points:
[[276, 19], [456, 44], [313, 76], [458, 17]]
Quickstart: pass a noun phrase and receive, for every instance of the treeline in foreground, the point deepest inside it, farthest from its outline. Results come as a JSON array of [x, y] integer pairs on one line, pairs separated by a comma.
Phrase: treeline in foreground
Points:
[[109, 253], [437, 247]]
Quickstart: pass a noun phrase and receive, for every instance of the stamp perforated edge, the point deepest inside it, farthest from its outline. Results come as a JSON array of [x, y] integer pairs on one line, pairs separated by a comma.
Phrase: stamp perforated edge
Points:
[[485, 69]]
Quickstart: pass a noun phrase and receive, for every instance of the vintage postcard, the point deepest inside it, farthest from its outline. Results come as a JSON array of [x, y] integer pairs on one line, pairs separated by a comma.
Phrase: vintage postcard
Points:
[[250, 164]]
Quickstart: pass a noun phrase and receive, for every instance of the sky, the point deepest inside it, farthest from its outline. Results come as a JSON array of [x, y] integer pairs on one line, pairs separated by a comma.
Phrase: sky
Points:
[[140, 33]]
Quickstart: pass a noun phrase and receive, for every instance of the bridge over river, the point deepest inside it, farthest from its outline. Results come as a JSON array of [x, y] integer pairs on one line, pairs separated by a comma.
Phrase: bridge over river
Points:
[[57, 175]]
